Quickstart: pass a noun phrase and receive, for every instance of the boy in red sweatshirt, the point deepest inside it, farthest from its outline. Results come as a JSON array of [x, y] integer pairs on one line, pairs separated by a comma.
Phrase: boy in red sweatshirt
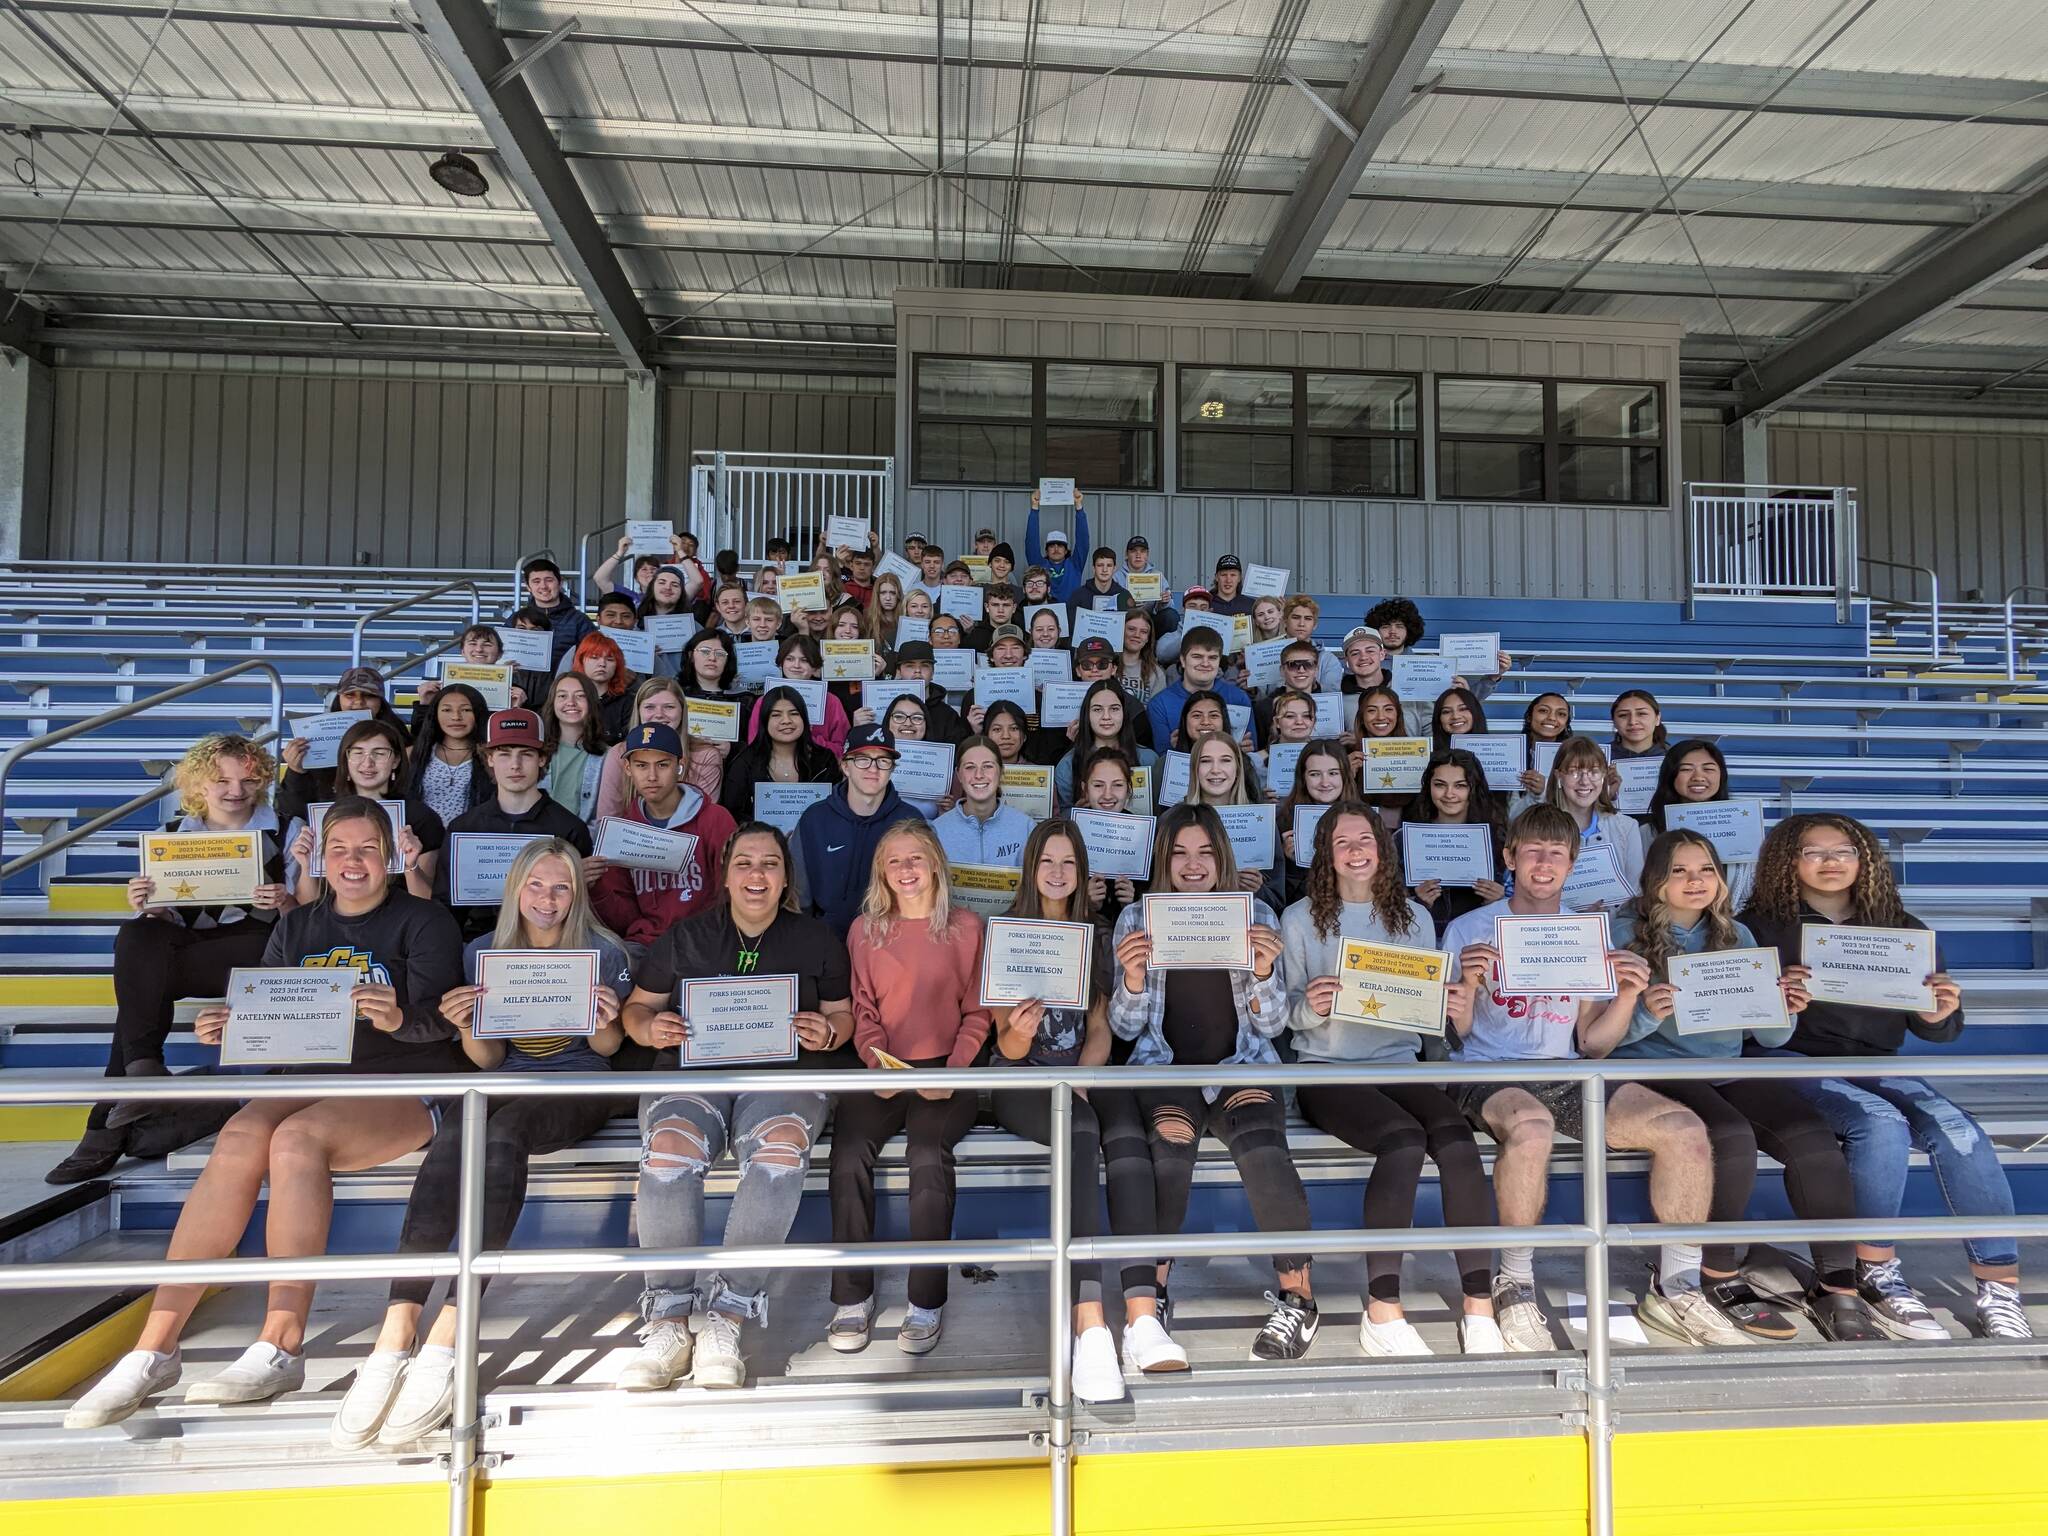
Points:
[[640, 904]]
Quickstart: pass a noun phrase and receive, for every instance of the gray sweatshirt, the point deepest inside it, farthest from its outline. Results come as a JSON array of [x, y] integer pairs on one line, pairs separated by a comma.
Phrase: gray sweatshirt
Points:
[[1309, 955]]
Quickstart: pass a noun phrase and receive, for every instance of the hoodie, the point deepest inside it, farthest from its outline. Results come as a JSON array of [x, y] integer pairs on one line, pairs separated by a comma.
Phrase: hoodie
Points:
[[641, 904], [568, 622], [835, 853], [1069, 573]]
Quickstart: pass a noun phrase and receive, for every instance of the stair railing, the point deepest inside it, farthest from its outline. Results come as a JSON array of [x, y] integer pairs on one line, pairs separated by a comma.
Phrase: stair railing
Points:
[[355, 639]]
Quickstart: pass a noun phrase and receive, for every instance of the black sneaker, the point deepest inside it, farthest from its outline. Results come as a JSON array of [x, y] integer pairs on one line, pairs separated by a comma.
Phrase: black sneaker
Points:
[[1842, 1318], [1748, 1311], [1894, 1303], [1289, 1330], [96, 1153]]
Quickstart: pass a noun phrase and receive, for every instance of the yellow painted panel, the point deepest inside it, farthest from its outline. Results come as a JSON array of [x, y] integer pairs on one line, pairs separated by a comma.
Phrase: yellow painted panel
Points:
[[54, 1375], [42, 1122], [110, 899], [76, 991], [285, 1512]]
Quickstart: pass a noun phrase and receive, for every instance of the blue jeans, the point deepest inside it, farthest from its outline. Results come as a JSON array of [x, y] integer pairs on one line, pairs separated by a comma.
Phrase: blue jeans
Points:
[[1881, 1120]]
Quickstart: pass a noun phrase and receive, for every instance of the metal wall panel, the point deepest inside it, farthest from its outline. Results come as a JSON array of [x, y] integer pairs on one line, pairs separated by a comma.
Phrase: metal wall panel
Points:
[[708, 418]]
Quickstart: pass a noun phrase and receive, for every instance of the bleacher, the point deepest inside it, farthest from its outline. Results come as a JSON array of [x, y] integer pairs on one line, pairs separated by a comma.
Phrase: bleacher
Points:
[[1937, 750]]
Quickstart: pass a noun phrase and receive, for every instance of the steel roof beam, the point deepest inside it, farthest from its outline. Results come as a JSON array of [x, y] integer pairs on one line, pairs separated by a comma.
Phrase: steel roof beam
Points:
[[1374, 98], [467, 40], [1985, 254]]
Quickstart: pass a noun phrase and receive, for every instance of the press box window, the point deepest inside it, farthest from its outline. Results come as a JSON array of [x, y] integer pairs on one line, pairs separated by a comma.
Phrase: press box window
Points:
[[1008, 421], [1294, 432], [1550, 440]]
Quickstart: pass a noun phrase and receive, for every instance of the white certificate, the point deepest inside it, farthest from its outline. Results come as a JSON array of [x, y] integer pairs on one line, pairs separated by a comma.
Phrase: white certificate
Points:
[[801, 591], [1240, 718], [1392, 986], [977, 567], [1175, 770], [637, 845], [635, 645], [1057, 610], [850, 533], [289, 1017], [1596, 877], [535, 993], [1869, 967], [478, 863], [810, 689], [1394, 764], [1472, 655], [962, 603], [1420, 679], [1638, 783], [783, 805], [1029, 789], [1502, 754], [909, 629], [1562, 956], [713, 719], [316, 818], [1264, 581], [732, 1019], [322, 734], [651, 538], [994, 684], [1543, 756], [670, 631], [1141, 802], [924, 770], [1055, 491], [1329, 714], [1023, 959], [1105, 624], [1208, 933], [1262, 662], [1728, 989], [1119, 847], [530, 650], [1049, 665], [1202, 618], [1734, 827], [1145, 586], [987, 889], [756, 661], [1283, 758], [1252, 833], [848, 661], [1306, 819], [877, 696], [893, 564], [493, 680], [1449, 855], [1059, 704], [954, 670], [203, 869]]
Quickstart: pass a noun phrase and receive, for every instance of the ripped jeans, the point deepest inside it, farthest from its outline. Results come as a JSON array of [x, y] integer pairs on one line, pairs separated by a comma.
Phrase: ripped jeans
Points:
[[1881, 1120], [681, 1136]]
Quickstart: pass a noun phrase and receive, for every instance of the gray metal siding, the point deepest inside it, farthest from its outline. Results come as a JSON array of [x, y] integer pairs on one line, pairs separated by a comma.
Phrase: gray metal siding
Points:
[[768, 421]]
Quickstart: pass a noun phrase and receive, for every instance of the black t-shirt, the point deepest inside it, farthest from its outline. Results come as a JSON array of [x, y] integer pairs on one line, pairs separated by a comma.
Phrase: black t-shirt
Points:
[[1201, 1017], [405, 943], [709, 944]]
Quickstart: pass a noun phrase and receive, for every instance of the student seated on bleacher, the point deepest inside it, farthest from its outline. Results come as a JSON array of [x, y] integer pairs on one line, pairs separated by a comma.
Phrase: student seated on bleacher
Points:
[[643, 903], [1582, 786], [1818, 871], [167, 952], [399, 1396], [447, 772], [359, 688], [1525, 1118], [480, 645], [517, 754], [408, 955], [568, 622], [370, 762]]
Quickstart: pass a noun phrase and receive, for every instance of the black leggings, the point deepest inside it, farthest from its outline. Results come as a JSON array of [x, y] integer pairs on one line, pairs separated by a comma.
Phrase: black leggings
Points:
[[1029, 1115], [1251, 1123], [861, 1127], [1742, 1116], [1400, 1125], [518, 1129], [157, 962]]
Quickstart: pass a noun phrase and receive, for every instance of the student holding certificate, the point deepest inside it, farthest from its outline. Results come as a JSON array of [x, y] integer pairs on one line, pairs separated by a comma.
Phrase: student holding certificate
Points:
[[1545, 723], [372, 755], [447, 772], [1106, 786], [783, 750], [399, 1397], [640, 903], [1109, 718], [1695, 772], [1457, 712], [1638, 725], [1524, 1118], [916, 1001], [1580, 787], [408, 953], [1107, 1125], [360, 690], [516, 751], [1220, 772], [659, 701], [755, 930], [597, 657], [1684, 911], [981, 829], [1455, 794], [1820, 873], [164, 953], [1216, 1017], [800, 658], [1355, 892]]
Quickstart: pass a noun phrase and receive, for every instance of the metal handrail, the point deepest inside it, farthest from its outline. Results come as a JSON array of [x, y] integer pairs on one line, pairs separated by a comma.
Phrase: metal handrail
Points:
[[1933, 595], [244, 572], [2012, 674], [355, 639], [33, 744], [1594, 1236], [583, 558]]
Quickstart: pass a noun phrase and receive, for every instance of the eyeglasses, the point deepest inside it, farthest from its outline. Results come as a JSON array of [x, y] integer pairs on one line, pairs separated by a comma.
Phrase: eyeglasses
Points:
[[1828, 856], [1586, 773]]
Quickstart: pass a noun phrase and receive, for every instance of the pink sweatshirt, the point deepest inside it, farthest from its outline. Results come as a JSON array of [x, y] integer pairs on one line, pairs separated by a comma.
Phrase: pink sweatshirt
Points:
[[917, 997]]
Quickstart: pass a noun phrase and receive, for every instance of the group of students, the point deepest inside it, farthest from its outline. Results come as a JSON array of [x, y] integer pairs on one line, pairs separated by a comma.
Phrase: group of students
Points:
[[862, 904]]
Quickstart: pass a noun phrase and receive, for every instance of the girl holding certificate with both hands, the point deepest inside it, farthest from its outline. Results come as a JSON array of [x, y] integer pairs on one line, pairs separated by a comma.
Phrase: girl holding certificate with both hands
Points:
[[1355, 892], [399, 1397], [1454, 794], [916, 1003], [1816, 873], [408, 953], [1107, 1126], [1216, 1017]]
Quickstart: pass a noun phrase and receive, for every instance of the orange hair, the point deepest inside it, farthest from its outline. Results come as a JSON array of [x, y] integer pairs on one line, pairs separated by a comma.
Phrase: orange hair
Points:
[[603, 645]]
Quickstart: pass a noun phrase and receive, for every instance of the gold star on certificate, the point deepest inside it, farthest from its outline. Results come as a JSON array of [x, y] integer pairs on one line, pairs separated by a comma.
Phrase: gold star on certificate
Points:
[[1386, 781], [248, 989], [1820, 941], [1756, 965], [1372, 1007], [184, 890]]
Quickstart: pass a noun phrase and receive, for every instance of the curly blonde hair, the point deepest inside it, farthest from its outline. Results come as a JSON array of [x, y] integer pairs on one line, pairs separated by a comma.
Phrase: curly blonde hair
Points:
[[196, 768]]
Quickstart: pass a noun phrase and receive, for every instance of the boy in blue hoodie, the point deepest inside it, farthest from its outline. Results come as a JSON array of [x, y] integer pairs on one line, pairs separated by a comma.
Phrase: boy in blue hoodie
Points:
[[836, 839], [1065, 568]]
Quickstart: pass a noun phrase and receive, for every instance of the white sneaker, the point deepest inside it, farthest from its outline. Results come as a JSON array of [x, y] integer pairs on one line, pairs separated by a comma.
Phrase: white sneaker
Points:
[[136, 1377], [1395, 1338], [1097, 1377], [1519, 1318], [1479, 1334], [263, 1372], [921, 1328], [2000, 1312], [1149, 1350], [425, 1400], [1689, 1317], [663, 1355], [718, 1353], [369, 1399]]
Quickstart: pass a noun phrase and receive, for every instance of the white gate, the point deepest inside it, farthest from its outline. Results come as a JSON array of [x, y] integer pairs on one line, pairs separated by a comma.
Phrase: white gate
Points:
[[1770, 541], [740, 501]]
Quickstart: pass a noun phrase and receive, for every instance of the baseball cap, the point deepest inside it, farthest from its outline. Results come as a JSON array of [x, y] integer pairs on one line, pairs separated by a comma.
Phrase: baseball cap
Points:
[[360, 680], [1005, 632], [1201, 592], [1136, 541], [984, 533], [1364, 632], [515, 728], [653, 738], [1094, 648], [913, 650], [1058, 537], [870, 738], [1229, 563]]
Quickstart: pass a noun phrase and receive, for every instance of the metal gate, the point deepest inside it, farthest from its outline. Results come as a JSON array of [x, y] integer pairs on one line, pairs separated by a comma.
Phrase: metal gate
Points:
[[740, 501]]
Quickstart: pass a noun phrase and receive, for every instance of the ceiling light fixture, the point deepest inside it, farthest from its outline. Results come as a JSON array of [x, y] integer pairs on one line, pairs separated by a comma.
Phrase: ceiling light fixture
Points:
[[459, 174]]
